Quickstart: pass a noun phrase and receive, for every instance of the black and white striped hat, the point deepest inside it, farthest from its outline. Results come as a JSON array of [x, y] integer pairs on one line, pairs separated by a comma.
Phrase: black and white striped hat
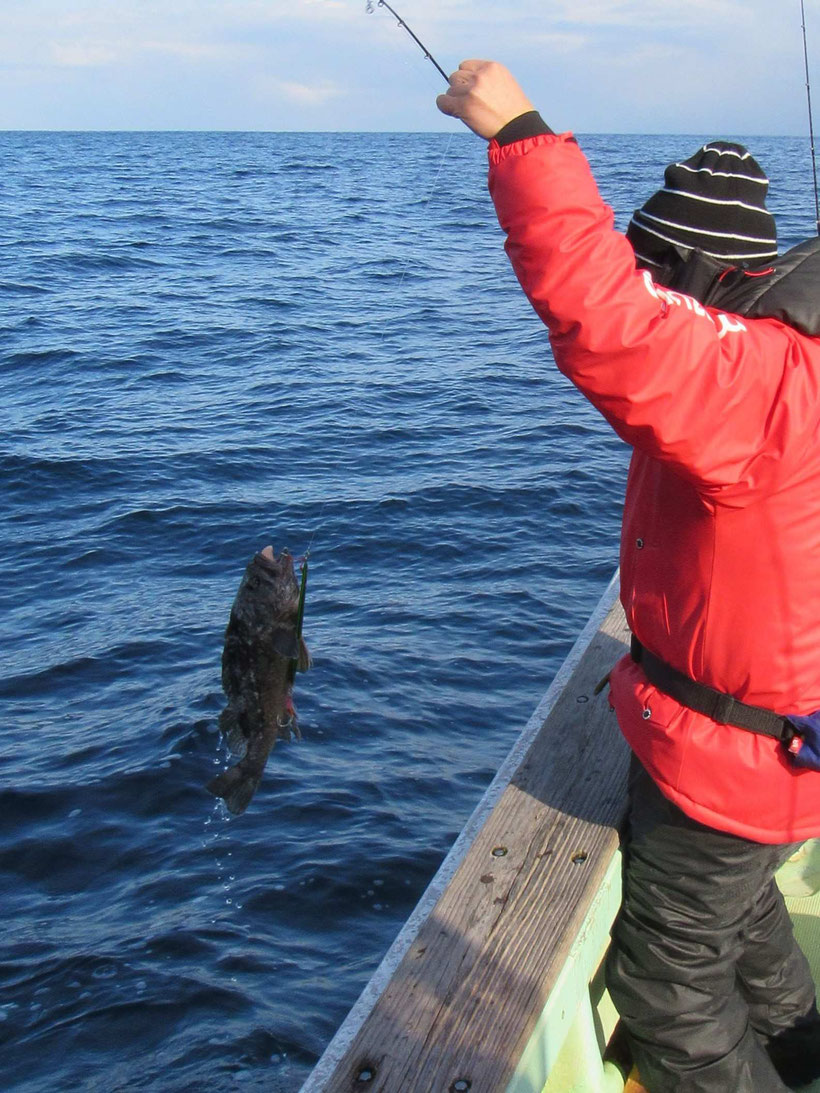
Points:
[[714, 202]]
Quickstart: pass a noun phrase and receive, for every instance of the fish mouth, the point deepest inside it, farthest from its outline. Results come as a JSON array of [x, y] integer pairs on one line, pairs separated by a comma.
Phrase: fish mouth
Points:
[[268, 558]]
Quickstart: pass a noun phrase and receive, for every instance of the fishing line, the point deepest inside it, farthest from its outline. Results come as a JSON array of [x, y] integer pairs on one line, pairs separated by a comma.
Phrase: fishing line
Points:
[[370, 8], [811, 120], [405, 265]]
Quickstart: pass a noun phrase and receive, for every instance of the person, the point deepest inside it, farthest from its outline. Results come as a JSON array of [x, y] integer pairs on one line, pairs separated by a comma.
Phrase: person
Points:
[[720, 572]]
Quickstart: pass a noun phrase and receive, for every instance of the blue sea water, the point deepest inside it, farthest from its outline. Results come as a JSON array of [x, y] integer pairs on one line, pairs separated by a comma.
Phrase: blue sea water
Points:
[[208, 343]]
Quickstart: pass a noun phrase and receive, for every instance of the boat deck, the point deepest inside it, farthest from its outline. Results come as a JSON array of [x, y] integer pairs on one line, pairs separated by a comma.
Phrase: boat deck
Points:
[[495, 984]]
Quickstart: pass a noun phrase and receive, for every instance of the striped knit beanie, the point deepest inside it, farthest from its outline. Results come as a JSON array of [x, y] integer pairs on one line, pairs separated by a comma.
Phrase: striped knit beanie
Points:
[[714, 202]]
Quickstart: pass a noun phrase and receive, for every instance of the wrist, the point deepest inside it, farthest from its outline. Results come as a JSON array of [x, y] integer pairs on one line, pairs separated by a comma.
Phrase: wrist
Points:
[[528, 124]]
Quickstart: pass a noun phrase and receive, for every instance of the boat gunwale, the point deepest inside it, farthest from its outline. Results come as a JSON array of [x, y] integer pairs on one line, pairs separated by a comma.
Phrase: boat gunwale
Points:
[[372, 992]]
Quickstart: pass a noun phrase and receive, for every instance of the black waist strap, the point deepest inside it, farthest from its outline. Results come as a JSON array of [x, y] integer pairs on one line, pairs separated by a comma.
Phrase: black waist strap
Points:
[[715, 704]]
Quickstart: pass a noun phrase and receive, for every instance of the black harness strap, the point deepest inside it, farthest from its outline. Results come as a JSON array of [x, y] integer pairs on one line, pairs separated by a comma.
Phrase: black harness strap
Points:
[[721, 707]]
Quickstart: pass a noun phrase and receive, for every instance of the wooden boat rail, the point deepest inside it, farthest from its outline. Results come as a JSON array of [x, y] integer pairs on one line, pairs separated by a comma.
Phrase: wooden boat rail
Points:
[[494, 983]]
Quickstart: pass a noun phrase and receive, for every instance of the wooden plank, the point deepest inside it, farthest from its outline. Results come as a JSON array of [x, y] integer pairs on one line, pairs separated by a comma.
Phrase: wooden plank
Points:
[[318, 1081], [462, 1003]]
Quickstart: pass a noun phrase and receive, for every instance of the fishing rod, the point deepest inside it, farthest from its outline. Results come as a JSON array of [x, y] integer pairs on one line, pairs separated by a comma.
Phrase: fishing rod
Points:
[[811, 120], [383, 4]]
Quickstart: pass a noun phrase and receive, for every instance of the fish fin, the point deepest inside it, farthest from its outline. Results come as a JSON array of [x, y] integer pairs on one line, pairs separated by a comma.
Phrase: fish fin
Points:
[[237, 785], [305, 660], [284, 642], [232, 731]]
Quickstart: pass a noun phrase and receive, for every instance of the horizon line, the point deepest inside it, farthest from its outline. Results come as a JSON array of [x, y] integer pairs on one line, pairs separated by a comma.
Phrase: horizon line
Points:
[[384, 132]]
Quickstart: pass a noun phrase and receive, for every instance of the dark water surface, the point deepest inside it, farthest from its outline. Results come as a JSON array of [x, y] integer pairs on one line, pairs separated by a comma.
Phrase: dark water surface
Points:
[[210, 342]]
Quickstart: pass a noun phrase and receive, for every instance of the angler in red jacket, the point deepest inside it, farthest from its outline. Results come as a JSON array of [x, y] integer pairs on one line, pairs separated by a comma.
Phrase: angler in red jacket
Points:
[[720, 574]]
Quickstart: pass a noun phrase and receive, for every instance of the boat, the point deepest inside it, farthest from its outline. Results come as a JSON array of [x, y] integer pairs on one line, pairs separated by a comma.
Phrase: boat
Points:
[[495, 983]]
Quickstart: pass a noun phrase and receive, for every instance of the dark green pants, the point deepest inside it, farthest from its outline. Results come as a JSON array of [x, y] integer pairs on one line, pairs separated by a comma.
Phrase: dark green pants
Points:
[[704, 969]]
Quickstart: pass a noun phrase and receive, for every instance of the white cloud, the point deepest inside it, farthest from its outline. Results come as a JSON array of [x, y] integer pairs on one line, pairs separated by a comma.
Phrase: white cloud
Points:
[[308, 94], [645, 14], [195, 51], [592, 13], [83, 54], [595, 63], [559, 41], [91, 54]]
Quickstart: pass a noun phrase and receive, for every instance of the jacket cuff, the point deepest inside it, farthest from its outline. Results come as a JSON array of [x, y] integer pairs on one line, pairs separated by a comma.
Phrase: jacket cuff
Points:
[[526, 125]]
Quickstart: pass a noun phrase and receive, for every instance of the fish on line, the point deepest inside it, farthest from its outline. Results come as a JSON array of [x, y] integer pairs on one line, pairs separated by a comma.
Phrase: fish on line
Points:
[[264, 649]]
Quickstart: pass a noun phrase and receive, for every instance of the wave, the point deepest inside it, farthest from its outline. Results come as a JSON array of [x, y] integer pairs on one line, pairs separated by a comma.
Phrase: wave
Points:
[[16, 289], [299, 363], [34, 358], [83, 262], [100, 668]]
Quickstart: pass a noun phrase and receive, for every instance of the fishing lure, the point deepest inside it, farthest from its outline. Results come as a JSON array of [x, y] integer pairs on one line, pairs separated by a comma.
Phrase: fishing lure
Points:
[[382, 4], [300, 617]]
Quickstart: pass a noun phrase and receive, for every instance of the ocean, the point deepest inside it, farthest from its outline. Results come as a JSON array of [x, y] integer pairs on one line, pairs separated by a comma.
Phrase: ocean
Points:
[[214, 341]]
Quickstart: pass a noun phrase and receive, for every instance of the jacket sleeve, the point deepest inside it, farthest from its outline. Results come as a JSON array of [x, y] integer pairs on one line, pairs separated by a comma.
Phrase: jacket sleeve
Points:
[[728, 403]]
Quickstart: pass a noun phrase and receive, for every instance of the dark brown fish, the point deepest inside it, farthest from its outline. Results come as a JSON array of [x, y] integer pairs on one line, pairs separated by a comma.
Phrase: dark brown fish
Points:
[[263, 647]]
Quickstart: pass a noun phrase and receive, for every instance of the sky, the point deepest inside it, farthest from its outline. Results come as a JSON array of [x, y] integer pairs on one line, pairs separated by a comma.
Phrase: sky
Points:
[[619, 66]]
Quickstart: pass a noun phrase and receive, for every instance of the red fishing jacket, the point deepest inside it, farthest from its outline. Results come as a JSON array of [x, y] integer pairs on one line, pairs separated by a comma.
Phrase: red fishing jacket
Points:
[[720, 552]]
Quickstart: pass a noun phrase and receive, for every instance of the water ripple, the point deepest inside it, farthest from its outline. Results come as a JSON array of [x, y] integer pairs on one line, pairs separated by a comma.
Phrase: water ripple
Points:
[[215, 341]]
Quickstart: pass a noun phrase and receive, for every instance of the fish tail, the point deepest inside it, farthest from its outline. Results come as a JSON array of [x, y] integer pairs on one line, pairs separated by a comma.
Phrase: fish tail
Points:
[[237, 785]]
